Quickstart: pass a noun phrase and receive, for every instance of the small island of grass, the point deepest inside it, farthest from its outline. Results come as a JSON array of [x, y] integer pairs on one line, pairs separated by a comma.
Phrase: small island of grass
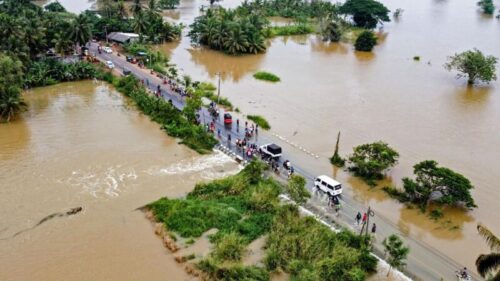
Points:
[[266, 76], [259, 120]]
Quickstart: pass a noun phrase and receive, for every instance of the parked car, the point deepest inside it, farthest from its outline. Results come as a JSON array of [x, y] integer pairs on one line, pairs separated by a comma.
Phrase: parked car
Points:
[[228, 119], [131, 59], [328, 185], [110, 64], [126, 72], [107, 50], [272, 150]]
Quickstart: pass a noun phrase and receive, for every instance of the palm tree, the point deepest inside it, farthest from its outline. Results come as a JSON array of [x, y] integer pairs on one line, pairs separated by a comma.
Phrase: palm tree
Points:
[[140, 24], [34, 36], [153, 7], [81, 30], [120, 7], [62, 43], [136, 7], [489, 263]]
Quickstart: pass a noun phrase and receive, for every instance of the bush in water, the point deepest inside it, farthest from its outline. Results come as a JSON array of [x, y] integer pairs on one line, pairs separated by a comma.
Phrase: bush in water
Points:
[[259, 120]]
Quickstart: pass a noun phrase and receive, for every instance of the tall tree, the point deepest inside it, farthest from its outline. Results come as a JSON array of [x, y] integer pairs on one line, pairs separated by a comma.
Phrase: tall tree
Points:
[[474, 65], [62, 43], [11, 77], [396, 252], [366, 13], [136, 7], [489, 264], [81, 30]]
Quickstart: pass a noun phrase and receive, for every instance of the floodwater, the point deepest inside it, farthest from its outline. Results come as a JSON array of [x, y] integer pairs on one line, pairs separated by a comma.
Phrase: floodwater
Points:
[[417, 107], [82, 145]]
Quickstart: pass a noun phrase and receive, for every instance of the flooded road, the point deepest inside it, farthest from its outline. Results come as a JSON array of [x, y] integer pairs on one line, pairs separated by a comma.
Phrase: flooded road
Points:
[[81, 145], [417, 107]]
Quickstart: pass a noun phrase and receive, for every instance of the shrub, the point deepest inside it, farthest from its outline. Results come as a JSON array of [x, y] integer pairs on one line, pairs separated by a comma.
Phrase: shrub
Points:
[[267, 76], [259, 120], [230, 247], [286, 30], [487, 6], [365, 41]]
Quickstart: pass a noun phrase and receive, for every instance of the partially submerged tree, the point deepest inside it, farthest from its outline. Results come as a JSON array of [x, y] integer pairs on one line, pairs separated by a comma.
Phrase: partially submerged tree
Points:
[[336, 160], [365, 41], [297, 190], [332, 31], [488, 265], [487, 6], [474, 65], [365, 13], [370, 160], [437, 184], [396, 252]]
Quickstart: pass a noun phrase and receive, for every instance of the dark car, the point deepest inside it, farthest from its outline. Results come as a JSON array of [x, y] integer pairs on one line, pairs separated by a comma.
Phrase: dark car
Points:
[[130, 59], [126, 72], [228, 119]]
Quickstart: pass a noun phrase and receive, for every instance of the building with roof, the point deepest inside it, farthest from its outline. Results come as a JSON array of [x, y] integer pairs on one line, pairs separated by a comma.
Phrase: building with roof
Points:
[[122, 37]]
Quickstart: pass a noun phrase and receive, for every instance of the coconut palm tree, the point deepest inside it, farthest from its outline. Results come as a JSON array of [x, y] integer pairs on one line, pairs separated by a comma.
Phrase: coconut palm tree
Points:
[[62, 43], [140, 24], [81, 30], [488, 264], [136, 7], [120, 7]]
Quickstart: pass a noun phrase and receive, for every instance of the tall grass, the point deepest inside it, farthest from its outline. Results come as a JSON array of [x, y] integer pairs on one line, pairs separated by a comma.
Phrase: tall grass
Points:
[[259, 120]]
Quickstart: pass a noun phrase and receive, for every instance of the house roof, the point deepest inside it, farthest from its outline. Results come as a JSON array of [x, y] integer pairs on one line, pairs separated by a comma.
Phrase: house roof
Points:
[[122, 37]]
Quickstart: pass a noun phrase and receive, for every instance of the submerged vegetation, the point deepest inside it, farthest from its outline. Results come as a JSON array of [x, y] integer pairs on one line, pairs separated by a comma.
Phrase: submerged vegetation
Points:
[[267, 76], [474, 65], [365, 41], [434, 184], [245, 207], [259, 120], [369, 161]]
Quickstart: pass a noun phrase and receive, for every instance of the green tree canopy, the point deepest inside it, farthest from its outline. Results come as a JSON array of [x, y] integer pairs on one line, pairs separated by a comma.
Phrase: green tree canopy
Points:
[[396, 252], [11, 74], [487, 6], [365, 41], [437, 184], [365, 13], [474, 65], [55, 7], [369, 160]]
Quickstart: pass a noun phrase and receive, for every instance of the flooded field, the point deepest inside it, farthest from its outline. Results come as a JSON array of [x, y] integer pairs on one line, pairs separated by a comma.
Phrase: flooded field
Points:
[[81, 145], [417, 107]]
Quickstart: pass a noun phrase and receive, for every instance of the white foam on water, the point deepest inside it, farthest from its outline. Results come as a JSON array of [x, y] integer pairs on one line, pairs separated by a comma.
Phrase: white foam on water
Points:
[[109, 182], [208, 165]]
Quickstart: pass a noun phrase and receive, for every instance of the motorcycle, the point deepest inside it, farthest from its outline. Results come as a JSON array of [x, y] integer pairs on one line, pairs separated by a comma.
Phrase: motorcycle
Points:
[[461, 277]]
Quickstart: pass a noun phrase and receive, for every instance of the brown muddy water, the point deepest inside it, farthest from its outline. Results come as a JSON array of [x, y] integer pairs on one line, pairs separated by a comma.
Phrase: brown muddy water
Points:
[[417, 107], [81, 144]]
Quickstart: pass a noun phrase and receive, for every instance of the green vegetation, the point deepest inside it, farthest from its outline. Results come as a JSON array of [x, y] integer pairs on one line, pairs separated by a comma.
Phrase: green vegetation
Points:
[[175, 123], [365, 41], [332, 31], [487, 6], [259, 120], [437, 185], [365, 13], [369, 161], [246, 206], [293, 29], [488, 265], [10, 87], [266, 76], [473, 65], [297, 190], [416, 58], [296, 9], [336, 160], [55, 7], [51, 71], [207, 90], [396, 252], [229, 31]]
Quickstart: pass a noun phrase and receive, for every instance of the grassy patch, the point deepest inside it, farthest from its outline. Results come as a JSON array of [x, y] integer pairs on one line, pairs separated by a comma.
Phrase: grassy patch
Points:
[[246, 206], [208, 90], [285, 30], [266, 76], [259, 120]]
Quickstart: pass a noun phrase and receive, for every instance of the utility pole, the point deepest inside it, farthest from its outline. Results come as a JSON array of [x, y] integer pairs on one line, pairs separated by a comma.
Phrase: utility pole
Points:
[[106, 32], [369, 213], [218, 88]]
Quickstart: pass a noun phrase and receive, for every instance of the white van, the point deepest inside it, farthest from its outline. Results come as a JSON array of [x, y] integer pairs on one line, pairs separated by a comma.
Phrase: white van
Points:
[[328, 185]]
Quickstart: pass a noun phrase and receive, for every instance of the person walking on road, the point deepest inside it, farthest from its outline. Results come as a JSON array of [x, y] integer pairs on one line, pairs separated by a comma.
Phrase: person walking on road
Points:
[[237, 122], [365, 217], [229, 139], [374, 228], [358, 218]]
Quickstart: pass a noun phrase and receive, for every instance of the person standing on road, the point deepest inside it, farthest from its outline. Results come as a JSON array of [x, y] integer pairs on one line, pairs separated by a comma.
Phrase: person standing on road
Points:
[[374, 228], [365, 217], [147, 82], [229, 139], [237, 122], [358, 218]]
